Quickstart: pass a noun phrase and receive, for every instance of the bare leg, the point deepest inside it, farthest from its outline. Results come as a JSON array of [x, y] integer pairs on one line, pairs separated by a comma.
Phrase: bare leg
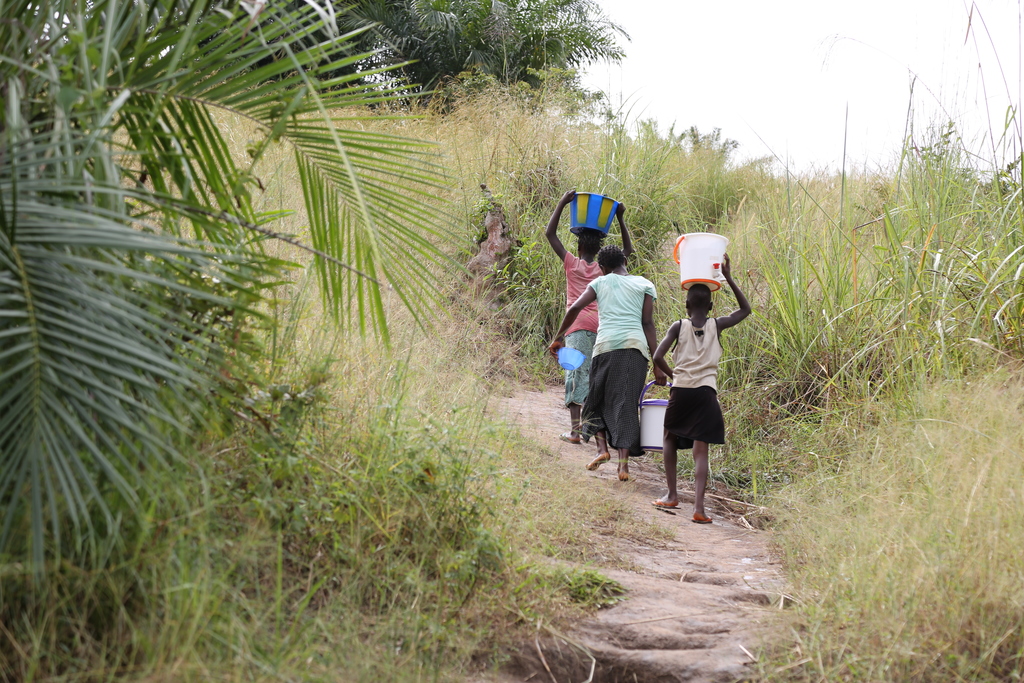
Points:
[[573, 435], [623, 464], [602, 451], [574, 417], [700, 473], [575, 411], [669, 457]]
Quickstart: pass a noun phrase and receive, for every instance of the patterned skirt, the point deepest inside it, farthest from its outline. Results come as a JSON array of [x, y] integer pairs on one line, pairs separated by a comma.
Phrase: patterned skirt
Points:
[[616, 380], [577, 382]]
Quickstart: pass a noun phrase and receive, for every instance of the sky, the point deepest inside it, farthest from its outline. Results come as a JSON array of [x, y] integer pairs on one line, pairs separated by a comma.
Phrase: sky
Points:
[[796, 79]]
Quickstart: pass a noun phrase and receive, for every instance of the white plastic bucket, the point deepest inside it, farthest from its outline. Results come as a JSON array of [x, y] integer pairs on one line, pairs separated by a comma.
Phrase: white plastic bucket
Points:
[[652, 421], [699, 255]]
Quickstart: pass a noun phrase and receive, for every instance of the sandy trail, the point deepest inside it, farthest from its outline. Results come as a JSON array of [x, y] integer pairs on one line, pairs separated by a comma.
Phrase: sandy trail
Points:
[[698, 606]]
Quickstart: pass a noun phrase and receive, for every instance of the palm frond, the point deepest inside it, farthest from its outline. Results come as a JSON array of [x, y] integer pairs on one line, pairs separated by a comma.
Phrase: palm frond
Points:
[[125, 219]]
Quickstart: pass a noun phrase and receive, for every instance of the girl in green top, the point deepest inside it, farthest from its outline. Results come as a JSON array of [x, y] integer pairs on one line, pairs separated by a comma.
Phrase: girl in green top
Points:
[[625, 340]]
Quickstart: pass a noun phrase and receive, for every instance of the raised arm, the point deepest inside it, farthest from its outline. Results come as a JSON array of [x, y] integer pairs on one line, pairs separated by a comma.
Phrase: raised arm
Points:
[[647, 322], [586, 298], [744, 310], [627, 241], [663, 347], [552, 230]]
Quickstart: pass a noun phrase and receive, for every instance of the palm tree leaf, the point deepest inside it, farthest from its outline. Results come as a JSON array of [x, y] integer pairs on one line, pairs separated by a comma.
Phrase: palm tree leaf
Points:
[[125, 214]]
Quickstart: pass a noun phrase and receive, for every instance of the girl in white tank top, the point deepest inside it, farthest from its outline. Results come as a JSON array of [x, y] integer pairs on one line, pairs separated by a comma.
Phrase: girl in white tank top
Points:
[[696, 355], [694, 417]]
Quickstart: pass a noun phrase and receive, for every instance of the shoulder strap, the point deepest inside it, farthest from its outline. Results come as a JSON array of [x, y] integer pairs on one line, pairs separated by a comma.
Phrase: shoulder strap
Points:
[[678, 332]]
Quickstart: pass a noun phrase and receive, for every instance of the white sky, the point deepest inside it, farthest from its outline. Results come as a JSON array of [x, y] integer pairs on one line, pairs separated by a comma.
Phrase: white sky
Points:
[[785, 71]]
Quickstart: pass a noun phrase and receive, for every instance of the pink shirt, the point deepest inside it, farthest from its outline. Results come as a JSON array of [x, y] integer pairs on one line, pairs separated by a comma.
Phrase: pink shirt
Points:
[[579, 274]]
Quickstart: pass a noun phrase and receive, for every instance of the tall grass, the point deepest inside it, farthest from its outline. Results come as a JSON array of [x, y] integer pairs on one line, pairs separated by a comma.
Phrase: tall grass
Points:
[[373, 520], [529, 154], [880, 300], [365, 509], [908, 561]]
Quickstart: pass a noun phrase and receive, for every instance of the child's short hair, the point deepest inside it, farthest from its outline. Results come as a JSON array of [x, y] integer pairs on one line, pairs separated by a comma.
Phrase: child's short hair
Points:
[[610, 257], [699, 295], [590, 240]]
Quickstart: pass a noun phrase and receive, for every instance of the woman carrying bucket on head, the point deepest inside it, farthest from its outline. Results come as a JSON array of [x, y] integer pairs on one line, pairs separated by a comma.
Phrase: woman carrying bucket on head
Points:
[[693, 418], [579, 272], [625, 339]]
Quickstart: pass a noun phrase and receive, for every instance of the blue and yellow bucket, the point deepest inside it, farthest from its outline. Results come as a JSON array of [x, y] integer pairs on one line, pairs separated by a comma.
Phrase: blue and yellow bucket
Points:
[[591, 210]]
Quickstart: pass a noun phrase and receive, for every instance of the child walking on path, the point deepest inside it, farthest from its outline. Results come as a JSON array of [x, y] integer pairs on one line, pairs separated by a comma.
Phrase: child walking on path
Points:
[[694, 417], [582, 334], [624, 342]]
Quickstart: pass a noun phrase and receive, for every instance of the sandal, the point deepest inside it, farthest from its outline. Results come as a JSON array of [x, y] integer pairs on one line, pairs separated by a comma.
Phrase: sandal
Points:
[[664, 504], [598, 461], [700, 519], [569, 438]]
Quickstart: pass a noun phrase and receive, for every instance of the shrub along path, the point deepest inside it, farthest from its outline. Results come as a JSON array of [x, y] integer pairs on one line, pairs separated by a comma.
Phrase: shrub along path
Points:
[[697, 606]]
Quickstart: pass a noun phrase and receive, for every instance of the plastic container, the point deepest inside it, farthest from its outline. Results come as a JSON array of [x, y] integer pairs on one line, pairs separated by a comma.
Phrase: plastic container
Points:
[[652, 421], [591, 210], [699, 255], [570, 358]]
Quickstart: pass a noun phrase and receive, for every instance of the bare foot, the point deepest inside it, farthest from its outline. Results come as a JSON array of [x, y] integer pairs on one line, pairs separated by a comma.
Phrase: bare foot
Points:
[[598, 461], [623, 470]]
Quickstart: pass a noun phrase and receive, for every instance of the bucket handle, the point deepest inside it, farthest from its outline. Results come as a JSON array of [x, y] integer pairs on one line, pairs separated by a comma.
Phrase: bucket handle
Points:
[[644, 392], [675, 250]]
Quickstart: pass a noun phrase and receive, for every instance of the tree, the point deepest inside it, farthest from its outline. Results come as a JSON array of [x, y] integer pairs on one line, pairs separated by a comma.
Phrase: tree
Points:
[[129, 244], [430, 40]]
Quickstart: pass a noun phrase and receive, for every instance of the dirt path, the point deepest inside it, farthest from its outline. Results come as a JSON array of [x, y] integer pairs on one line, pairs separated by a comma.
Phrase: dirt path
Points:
[[697, 608]]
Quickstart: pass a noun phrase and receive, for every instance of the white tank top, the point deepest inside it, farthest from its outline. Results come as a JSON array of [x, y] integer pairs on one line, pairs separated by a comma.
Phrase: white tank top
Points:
[[696, 355]]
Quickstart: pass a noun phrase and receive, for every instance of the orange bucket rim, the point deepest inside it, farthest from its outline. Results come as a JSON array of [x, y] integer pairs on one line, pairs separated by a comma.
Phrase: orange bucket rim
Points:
[[713, 285]]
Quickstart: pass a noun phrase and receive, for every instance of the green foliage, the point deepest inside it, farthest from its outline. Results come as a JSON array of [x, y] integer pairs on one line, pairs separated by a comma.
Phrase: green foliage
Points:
[[665, 181], [914, 292], [430, 41], [390, 502], [552, 88], [131, 255], [328, 532]]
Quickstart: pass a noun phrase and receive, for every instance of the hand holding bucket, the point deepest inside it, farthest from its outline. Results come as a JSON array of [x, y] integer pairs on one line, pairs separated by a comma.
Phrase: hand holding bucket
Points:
[[652, 420], [570, 358]]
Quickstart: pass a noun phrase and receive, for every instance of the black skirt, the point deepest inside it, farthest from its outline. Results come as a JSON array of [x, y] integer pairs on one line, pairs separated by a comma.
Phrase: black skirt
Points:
[[616, 381], [694, 415]]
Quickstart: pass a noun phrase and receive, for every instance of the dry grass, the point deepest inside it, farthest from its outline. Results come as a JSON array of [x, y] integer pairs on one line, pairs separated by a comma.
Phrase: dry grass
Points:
[[869, 290], [908, 560], [905, 510]]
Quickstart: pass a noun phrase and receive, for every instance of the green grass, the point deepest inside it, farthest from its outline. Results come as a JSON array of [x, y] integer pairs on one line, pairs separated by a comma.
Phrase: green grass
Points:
[[907, 560], [371, 509], [379, 519], [880, 299]]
